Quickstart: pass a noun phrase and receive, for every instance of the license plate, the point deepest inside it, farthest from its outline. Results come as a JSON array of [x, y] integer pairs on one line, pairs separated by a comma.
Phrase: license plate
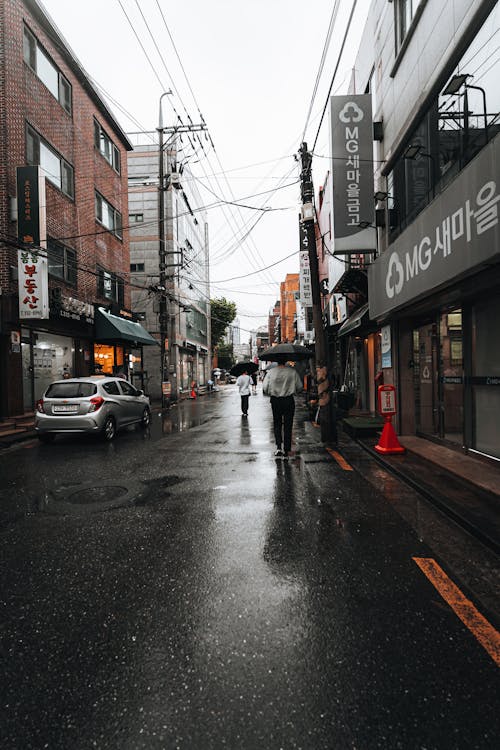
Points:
[[65, 409]]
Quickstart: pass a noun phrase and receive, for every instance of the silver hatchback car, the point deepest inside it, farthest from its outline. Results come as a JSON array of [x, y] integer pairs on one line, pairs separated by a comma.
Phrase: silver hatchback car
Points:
[[97, 404]]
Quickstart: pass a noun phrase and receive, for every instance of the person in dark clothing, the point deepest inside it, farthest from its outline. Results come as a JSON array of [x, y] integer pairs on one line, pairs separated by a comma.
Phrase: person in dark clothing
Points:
[[281, 384]]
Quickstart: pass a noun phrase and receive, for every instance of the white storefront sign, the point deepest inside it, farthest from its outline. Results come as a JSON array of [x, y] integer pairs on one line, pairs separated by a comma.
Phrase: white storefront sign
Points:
[[33, 284]]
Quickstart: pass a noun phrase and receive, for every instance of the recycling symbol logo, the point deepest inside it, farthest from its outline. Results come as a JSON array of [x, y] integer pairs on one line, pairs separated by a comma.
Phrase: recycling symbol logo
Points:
[[395, 276], [351, 112]]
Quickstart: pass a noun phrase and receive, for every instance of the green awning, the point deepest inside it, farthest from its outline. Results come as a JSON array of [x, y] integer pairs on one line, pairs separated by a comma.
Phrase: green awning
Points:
[[110, 329]]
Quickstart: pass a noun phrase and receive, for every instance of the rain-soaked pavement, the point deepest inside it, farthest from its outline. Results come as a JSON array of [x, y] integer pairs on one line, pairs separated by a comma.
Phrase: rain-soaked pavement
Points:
[[182, 588]]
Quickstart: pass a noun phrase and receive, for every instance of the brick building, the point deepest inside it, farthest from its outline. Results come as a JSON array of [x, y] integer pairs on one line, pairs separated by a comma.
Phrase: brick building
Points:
[[289, 290], [53, 119]]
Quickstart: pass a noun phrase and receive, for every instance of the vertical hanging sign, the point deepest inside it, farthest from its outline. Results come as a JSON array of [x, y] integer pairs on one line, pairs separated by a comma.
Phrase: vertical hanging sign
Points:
[[305, 289], [352, 156], [32, 258]]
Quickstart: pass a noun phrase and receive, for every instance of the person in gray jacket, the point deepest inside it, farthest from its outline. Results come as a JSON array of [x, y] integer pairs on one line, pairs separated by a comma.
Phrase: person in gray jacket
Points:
[[281, 384]]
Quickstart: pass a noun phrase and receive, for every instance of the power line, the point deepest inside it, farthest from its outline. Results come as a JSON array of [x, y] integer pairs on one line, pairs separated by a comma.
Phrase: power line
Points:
[[339, 58]]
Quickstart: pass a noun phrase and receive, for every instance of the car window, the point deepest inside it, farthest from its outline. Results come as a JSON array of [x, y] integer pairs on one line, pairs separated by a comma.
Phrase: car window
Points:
[[111, 388], [127, 389], [70, 390]]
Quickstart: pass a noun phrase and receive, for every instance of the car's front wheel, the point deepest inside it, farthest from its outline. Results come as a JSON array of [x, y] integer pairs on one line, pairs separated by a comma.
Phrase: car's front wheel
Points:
[[146, 418], [109, 428], [46, 437]]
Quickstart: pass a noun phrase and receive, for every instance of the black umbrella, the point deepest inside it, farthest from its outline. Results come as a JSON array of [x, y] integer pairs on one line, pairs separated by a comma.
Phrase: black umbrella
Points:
[[240, 367], [285, 353]]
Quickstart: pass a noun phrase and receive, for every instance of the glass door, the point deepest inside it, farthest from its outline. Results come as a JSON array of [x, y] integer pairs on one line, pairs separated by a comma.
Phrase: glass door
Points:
[[426, 381], [451, 376]]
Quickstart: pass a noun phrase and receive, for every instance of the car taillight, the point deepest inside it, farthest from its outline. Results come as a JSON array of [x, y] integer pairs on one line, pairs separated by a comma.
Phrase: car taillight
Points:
[[39, 405], [96, 402]]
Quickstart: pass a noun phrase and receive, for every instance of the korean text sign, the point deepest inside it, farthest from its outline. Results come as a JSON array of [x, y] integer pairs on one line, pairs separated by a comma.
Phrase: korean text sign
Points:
[[352, 156]]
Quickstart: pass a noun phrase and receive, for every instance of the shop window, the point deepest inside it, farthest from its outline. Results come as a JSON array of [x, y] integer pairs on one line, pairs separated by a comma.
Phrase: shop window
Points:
[[104, 358], [46, 70], [56, 169], [108, 216]]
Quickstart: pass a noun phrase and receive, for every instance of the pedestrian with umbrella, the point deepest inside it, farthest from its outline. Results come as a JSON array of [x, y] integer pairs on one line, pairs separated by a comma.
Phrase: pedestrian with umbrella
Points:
[[281, 384], [244, 382]]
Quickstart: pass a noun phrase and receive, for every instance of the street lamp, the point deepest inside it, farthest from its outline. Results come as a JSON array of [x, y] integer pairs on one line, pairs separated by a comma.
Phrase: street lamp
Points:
[[453, 87]]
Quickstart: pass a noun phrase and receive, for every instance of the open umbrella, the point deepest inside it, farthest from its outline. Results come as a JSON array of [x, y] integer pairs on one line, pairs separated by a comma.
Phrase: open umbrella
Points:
[[285, 353], [240, 367]]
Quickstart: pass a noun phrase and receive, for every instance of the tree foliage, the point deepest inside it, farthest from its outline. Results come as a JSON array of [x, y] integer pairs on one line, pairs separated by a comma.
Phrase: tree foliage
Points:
[[225, 356], [222, 314]]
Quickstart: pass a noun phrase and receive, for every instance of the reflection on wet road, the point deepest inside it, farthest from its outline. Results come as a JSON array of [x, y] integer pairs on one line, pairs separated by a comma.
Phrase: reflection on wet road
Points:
[[236, 600]]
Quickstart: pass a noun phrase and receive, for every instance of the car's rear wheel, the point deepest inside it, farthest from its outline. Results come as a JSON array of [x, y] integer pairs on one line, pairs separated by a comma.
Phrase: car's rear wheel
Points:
[[146, 418], [109, 428], [46, 437]]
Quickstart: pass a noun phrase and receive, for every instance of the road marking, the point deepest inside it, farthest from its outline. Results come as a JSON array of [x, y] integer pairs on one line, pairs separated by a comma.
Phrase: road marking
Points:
[[486, 634], [340, 460]]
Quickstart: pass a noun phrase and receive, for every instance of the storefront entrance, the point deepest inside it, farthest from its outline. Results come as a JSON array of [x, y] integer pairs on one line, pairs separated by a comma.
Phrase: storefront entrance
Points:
[[109, 360], [46, 357], [439, 377]]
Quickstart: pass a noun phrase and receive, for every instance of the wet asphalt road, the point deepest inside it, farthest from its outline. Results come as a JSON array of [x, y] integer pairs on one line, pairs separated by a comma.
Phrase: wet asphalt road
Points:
[[181, 588]]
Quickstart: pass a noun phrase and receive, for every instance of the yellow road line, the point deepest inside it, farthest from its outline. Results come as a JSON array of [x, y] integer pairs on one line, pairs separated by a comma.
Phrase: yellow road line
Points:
[[488, 637], [340, 460]]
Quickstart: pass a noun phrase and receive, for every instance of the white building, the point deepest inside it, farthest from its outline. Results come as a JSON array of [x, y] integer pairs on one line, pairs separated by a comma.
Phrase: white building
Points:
[[187, 326]]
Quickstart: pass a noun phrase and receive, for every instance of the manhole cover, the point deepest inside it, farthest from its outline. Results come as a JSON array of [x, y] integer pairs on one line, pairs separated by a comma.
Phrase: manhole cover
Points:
[[96, 495]]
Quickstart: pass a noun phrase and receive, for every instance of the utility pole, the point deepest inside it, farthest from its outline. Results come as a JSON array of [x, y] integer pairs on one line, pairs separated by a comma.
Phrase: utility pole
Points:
[[308, 213], [164, 316]]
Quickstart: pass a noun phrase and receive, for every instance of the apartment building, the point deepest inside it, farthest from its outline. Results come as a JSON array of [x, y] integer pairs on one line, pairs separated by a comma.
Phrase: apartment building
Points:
[[186, 328], [64, 255]]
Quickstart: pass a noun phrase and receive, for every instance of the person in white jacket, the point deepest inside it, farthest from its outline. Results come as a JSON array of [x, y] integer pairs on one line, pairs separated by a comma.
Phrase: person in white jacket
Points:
[[244, 383], [281, 383]]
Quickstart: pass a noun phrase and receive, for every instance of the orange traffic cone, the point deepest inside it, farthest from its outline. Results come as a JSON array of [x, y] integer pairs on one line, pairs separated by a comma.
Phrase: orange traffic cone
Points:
[[389, 442]]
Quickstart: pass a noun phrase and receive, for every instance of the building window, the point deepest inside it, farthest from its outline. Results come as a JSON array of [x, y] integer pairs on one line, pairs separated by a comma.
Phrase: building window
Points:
[[55, 168], [135, 218], [61, 261], [50, 75], [405, 11], [137, 267], [108, 216], [458, 123], [106, 147], [110, 286]]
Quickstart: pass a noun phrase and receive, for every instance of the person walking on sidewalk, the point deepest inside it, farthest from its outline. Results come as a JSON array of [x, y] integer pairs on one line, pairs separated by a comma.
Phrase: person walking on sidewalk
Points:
[[244, 383], [281, 383], [254, 383]]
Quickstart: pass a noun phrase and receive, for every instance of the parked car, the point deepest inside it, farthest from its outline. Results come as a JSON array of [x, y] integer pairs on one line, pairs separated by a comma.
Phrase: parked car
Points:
[[97, 404]]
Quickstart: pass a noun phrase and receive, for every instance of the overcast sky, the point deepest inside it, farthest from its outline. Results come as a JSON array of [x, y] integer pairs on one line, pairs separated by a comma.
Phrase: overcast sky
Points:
[[251, 69]]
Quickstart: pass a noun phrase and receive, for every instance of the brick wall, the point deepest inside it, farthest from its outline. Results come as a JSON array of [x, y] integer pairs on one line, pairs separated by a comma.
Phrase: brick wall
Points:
[[25, 99]]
